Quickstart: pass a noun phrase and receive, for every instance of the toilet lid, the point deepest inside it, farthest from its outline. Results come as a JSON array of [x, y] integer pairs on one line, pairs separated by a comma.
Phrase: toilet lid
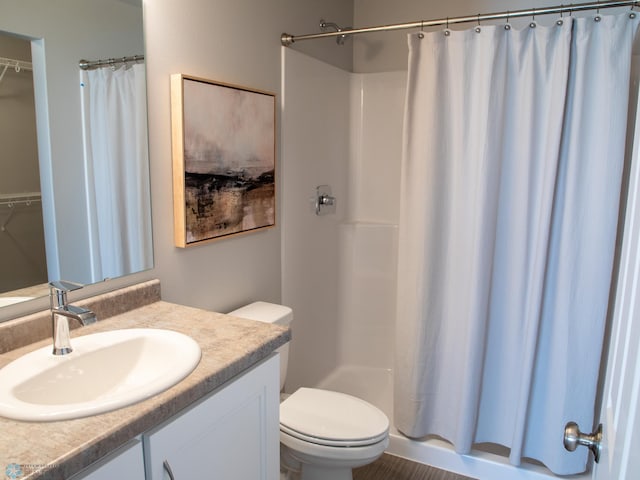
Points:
[[332, 418]]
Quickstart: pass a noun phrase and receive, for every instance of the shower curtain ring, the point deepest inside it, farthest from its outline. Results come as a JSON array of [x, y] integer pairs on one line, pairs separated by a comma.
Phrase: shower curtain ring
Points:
[[421, 34], [632, 15], [559, 22], [507, 26], [533, 19], [478, 29], [597, 18], [447, 32]]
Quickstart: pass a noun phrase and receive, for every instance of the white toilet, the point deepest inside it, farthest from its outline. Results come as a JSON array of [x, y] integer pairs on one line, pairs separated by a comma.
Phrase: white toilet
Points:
[[323, 434]]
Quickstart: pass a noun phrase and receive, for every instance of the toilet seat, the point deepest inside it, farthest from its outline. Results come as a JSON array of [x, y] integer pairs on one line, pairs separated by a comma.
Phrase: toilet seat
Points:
[[332, 442], [332, 419]]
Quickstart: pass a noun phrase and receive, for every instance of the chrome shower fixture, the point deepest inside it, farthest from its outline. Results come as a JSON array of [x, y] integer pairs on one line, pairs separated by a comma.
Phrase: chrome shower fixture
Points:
[[324, 26]]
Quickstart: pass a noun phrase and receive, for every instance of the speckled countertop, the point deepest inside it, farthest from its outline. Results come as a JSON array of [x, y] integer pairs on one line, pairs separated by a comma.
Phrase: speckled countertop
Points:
[[58, 450]]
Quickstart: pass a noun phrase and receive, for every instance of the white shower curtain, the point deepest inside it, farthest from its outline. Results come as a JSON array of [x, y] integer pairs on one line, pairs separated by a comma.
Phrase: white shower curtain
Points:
[[117, 169], [513, 156]]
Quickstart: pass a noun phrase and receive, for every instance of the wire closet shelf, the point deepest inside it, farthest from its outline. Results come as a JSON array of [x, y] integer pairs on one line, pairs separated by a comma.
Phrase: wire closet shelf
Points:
[[287, 39], [14, 199], [18, 66]]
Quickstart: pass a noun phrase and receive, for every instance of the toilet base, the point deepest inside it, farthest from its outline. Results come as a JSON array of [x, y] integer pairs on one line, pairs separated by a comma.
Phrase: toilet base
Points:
[[293, 469], [305, 461], [311, 472]]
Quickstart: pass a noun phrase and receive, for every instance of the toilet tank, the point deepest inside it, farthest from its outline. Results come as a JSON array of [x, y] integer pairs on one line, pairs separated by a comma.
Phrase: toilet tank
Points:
[[270, 313]]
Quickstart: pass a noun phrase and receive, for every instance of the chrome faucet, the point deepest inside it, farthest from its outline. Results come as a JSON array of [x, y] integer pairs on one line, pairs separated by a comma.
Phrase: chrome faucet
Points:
[[61, 312]]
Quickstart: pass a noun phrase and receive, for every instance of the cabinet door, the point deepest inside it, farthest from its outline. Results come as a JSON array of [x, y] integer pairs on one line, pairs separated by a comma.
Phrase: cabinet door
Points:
[[233, 434], [126, 462]]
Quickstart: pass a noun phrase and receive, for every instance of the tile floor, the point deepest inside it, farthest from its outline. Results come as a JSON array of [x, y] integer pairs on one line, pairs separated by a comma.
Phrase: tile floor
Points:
[[390, 467]]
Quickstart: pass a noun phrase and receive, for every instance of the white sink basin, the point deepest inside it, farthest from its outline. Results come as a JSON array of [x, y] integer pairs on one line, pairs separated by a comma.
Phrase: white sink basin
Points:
[[105, 371]]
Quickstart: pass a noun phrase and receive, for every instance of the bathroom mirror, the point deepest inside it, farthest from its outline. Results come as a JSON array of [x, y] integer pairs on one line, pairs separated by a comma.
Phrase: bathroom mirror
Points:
[[60, 34]]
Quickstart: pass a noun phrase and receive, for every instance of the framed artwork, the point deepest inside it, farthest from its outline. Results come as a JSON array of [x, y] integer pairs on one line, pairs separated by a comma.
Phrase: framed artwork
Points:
[[223, 146]]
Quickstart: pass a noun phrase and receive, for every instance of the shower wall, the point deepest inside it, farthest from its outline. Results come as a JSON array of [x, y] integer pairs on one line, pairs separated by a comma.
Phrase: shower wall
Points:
[[344, 130], [368, 236], [315, 151]]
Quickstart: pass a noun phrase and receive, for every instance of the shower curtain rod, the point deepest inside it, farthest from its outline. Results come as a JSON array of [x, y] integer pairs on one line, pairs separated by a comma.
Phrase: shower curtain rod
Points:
[[109, 62], [287, 39]]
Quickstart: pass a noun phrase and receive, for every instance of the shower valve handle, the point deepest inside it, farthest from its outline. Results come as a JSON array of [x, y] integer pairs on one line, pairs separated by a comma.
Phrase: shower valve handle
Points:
[[325, 202]]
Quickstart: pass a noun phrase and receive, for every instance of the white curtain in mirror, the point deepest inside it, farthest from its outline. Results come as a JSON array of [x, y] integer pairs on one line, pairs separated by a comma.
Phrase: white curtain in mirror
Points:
[[514, 149], [117, 169]]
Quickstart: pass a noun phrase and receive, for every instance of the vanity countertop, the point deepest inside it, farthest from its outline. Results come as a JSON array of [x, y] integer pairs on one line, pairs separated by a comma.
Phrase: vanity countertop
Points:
[[58, 450]]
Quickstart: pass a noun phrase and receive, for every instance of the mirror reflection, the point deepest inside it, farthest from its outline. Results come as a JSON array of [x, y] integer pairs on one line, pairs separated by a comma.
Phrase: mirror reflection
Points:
[[22, 250], [74, 188]]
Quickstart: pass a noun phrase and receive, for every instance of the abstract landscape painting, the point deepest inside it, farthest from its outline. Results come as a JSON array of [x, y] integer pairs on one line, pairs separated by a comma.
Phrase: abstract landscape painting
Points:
[[224, 159]]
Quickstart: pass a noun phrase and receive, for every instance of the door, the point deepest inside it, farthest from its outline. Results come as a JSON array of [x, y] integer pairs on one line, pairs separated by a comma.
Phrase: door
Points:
[[620, 412]]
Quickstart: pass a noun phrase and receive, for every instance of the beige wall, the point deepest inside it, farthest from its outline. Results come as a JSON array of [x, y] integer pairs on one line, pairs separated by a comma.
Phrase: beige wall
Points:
[[18, 121], [235, 41], [22, 250]]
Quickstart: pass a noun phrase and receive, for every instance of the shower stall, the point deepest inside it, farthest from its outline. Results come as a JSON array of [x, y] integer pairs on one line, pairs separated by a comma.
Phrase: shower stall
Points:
[[339, 271], [345, 130]]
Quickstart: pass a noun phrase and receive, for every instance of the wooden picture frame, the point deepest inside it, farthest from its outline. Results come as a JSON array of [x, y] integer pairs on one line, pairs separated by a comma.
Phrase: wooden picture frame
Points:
[[223, 148]]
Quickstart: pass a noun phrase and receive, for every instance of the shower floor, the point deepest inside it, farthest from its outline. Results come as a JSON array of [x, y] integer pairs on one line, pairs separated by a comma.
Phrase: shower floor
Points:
[[375, 385]]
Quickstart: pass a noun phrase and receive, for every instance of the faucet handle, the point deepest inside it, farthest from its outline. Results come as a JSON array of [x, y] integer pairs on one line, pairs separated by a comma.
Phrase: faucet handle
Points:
[[64, 285], [58, 292]]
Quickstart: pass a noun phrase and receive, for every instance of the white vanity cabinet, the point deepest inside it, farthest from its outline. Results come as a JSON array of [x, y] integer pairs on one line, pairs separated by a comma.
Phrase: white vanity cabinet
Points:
[[126, 462], [232, 434]]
